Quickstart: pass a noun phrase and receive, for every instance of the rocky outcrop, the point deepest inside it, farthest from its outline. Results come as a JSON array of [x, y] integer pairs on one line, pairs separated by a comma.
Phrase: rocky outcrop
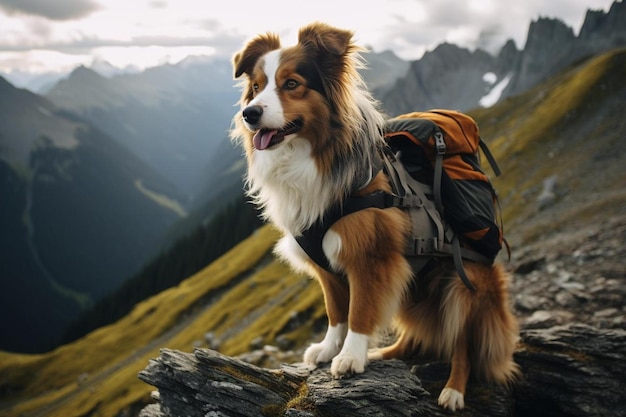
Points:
[[573, 370], [548, 49], [551, 45], [608, 29]]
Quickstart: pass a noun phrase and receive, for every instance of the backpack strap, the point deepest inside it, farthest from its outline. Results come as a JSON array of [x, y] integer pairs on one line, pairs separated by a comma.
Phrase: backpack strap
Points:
[[435, 246], [440, 146], [489, 156]]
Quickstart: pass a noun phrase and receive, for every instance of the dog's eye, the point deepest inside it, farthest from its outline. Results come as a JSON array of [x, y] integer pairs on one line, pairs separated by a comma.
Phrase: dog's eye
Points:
[[291, 84], [255, 87]]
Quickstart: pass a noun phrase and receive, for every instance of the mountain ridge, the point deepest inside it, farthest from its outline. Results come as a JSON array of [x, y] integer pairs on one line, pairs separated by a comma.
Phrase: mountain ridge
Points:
[[440, 79]]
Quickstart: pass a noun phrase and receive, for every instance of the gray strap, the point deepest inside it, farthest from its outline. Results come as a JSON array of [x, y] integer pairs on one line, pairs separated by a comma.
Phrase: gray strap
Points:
[[440, 144], [489, 156], [458, 263]]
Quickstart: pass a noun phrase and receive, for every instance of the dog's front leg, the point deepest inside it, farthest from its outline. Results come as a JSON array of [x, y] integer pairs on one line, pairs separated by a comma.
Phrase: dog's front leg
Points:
[[373, 298], [336, 298]]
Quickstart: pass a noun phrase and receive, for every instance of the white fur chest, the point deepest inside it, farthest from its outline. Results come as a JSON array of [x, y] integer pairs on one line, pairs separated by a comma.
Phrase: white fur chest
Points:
[[288, 186]]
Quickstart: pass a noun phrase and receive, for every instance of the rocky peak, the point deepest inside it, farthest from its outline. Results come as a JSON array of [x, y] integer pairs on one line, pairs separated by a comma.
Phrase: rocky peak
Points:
[[85, 74], [610, 26], [545, 32], [508, 58], [547, 51]]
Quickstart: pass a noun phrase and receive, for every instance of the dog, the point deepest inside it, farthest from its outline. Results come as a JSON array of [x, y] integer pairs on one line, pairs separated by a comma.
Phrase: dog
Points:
[[310, 131]]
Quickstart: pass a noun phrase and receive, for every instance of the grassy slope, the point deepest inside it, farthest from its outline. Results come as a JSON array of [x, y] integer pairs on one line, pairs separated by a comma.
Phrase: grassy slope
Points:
[[38, 380], [529, 135], [570, 126]]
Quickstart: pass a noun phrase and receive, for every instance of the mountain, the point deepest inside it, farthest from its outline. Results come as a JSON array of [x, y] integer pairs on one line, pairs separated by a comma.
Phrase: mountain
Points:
[[567, 259], [173, 117], [382, 70], [453, 77], [176, 117], [447, 77], [81, 213]]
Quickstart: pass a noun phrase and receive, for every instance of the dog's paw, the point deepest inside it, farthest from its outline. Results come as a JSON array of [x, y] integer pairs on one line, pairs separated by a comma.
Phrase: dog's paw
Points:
[[320, 353], [451, 399], [347, 364]]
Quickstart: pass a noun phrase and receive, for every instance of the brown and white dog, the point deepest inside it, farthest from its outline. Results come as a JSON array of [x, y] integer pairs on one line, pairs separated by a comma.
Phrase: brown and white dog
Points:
[[310, 131]]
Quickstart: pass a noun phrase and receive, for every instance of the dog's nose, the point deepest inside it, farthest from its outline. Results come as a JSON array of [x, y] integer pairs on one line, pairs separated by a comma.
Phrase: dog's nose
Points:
[[252, 114]]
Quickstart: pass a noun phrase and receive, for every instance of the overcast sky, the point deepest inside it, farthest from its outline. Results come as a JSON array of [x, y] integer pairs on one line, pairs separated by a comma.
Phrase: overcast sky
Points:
[[57, 35]]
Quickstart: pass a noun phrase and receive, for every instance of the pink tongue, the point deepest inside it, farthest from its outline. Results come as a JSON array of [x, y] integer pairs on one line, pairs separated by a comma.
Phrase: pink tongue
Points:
[[262, 139]]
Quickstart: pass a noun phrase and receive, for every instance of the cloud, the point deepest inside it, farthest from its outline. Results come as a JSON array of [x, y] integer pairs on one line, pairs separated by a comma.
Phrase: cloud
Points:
[[222, 44], [408, 27], [51, 9]]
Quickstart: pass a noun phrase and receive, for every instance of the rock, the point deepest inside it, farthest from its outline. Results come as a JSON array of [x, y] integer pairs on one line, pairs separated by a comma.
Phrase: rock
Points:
[[284, 343], [573, 370], [544, 318], [572, 276], [548, 195], [256, 343]]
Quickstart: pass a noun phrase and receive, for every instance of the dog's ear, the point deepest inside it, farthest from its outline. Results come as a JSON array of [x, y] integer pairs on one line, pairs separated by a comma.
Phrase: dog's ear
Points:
[[244, 60], [326, 38]]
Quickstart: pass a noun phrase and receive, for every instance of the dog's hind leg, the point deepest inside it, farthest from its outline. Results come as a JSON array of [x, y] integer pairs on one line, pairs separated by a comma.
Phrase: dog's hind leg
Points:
[[452, 396]]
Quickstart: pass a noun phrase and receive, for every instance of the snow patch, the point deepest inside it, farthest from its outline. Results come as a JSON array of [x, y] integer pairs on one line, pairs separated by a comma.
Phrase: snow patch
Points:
[[494, 94], [490, 78]]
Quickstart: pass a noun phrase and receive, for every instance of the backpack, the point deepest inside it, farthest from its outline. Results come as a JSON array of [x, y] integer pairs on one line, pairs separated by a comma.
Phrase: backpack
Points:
[[439, 150], [433, 163]]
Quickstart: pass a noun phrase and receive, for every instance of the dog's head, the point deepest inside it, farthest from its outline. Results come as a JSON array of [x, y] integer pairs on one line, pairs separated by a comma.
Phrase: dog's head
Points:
[[300, 91]]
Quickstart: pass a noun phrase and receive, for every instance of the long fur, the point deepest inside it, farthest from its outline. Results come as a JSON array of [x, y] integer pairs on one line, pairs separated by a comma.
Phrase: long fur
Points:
[[310, 131]]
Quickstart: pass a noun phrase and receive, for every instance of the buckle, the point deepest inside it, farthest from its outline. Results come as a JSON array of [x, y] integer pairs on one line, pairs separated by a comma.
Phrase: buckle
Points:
[[425, 246], [440, 144], [390, 200]]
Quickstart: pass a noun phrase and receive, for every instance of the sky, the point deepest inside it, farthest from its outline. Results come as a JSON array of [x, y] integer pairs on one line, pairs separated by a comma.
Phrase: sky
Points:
[[43, 36]]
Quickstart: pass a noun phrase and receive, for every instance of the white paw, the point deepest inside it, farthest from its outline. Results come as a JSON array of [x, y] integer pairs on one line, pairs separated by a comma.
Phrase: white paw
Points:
[[353, 356], [347, 364], [451, 399], [329, 347], [320, 352]]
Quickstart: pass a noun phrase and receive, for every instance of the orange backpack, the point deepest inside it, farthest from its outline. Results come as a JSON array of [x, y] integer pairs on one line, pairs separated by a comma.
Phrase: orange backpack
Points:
[[447, 157]]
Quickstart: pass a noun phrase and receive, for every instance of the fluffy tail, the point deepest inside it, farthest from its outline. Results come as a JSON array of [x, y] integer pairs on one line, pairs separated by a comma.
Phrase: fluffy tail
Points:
[[496, 334]]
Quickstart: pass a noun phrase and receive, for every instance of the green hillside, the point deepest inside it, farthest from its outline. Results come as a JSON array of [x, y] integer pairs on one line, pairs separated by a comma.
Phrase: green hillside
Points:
[[571, 126], [245, 289]]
